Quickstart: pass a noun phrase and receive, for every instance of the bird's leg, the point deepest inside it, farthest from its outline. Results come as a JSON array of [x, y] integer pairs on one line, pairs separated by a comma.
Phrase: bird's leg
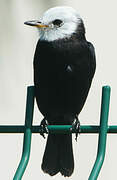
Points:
[[76, 127], [44, 128]]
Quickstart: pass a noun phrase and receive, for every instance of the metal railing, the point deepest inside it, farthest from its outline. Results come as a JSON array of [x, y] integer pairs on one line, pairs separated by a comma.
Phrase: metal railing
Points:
[[28, 129]]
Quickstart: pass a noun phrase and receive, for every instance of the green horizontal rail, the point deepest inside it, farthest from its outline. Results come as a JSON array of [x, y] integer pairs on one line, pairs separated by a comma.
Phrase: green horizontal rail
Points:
[[84, 129], [28, 129]]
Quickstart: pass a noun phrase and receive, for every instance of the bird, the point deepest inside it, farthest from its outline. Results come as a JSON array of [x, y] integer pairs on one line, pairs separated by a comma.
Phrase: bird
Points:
[[64, 66]]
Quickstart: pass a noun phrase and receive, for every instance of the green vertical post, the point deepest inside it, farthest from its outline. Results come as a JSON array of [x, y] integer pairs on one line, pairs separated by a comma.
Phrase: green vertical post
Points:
[[27, 134], [102, 133]]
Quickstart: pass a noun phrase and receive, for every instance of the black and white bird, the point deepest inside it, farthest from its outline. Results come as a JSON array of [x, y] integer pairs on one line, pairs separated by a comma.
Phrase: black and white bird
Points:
[[64, 66]]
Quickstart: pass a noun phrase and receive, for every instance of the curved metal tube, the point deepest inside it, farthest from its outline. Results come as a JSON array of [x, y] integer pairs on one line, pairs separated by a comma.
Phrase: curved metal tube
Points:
[[102, 134], [27, 135], [28, 129], [25, 155]]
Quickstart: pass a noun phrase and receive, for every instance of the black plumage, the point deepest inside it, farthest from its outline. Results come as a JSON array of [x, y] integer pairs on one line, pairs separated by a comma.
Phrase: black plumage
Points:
[[59, 91], [63, 72]]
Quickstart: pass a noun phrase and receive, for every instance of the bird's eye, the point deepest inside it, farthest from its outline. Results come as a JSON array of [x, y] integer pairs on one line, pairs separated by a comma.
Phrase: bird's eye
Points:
[[57, 22]]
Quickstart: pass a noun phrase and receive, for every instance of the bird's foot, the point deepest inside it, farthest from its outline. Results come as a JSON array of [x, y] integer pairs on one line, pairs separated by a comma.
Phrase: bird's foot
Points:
[[76, 127], [44, 128]]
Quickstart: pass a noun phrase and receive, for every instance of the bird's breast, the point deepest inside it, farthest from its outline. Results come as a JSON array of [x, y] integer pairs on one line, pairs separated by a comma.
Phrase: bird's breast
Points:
[[61, 80]]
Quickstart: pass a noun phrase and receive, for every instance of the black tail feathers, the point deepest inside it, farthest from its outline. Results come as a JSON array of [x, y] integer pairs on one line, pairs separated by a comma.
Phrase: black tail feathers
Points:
[[58, 155]]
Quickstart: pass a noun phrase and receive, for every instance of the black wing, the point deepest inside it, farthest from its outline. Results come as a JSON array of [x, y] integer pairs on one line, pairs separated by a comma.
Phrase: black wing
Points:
[[93, 59]]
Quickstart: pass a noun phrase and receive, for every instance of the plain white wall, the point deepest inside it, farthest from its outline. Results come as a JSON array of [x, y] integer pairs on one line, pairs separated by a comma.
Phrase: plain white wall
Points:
[[17, 46]]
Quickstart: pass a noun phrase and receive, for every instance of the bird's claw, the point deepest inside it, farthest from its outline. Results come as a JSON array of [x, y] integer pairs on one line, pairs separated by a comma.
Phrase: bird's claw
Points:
[[44, 128], [76, 127]]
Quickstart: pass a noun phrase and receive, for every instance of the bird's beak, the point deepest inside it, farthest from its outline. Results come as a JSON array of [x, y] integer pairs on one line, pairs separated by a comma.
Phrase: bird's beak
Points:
[[36, 24]]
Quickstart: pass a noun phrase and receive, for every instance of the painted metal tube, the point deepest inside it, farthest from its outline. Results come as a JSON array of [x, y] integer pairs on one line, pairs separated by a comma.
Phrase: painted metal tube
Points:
[[25, 155], [27, 135], [102, 134], [28, 129], [84, 129]]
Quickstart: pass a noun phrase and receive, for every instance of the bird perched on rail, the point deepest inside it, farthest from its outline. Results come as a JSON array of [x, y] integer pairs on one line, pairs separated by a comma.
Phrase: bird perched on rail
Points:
[[64, 65]]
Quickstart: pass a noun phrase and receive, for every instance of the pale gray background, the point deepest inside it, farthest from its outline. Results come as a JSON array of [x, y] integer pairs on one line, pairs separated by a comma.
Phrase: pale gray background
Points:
[[17, 46]]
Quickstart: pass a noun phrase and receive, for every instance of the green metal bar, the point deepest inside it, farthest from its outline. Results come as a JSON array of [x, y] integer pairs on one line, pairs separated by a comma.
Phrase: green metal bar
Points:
[[27, 135], [25, 155], [84, 129], [102, 134], [28, 129]]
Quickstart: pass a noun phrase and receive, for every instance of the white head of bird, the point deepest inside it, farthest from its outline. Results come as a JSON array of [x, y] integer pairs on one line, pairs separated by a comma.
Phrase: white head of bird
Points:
[[57, 23]]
